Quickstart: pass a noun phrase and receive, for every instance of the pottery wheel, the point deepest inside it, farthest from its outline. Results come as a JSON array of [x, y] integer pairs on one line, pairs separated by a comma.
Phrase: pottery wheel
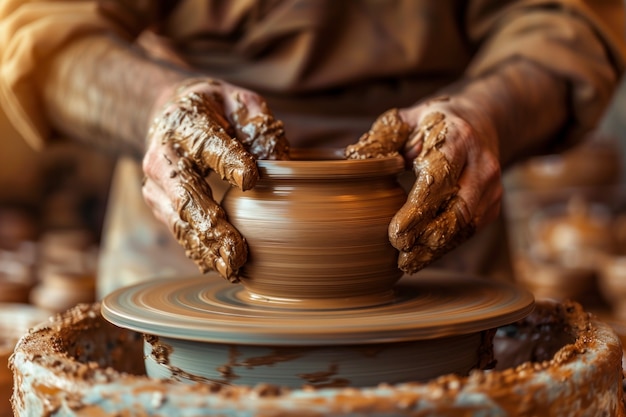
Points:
[[209, 309]]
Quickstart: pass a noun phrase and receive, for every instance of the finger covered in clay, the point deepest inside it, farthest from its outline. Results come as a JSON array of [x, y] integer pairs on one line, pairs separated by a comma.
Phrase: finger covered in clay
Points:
[[203, 230], [437, 237], [433, 220], [385, 138], [260, 132], [197, 128], [435, 184]]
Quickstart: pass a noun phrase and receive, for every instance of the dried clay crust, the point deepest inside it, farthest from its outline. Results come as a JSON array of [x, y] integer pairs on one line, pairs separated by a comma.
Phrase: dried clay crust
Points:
[[79, 364]]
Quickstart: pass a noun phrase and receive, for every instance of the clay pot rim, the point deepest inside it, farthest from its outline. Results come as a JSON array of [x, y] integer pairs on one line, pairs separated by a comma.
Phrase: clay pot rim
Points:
[[328, 163]]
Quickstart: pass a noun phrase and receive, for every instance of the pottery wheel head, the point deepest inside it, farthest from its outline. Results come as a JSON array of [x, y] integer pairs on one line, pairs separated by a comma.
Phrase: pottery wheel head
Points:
[[424, 306]]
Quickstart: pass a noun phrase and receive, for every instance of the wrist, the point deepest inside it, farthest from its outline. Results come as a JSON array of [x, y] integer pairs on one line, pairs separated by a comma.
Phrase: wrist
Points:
[[483, 120], [457, 109], [519, 104], [101, 90]]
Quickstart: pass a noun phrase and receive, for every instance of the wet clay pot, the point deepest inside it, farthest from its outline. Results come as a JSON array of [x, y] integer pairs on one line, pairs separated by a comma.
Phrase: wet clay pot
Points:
[[317, 228]]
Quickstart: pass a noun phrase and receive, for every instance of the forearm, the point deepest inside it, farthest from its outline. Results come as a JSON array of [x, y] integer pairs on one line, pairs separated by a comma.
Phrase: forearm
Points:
[[521, 103], [102, 91]]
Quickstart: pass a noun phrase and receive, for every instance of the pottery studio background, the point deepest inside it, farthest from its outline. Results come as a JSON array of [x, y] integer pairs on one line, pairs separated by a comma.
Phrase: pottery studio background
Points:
[[565, 216]]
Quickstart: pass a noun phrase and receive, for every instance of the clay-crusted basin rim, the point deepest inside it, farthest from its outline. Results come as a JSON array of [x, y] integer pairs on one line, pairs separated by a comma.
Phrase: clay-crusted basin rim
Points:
[[50, 378], [207, 308]]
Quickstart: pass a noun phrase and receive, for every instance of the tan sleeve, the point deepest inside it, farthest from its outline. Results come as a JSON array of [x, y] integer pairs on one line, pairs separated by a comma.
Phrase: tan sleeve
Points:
[[32, 31], [581, 41]]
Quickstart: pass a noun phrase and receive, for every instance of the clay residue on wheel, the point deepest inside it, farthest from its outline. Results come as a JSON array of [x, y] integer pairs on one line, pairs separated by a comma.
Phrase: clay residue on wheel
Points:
[[57, 364], [161, 351], [325, 379], [536, 338]]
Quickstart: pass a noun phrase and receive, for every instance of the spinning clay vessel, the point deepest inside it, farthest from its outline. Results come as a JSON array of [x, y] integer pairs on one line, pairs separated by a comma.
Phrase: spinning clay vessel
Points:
[[316, 228]]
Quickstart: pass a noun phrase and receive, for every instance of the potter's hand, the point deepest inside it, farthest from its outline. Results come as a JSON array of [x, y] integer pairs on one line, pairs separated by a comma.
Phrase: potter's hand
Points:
[[205, 126], [457, 187]]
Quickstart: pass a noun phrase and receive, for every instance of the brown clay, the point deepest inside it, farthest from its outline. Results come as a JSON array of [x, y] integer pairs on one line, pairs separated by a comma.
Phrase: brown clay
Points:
[[208, 238], [198, 129], [385, 138], [433, 221], [262, 135], [316, 227], [197, 137]]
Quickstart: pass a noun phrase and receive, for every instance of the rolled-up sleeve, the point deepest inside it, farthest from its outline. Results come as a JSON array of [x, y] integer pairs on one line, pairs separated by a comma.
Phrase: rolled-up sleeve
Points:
[[579, 41], [31, 32]]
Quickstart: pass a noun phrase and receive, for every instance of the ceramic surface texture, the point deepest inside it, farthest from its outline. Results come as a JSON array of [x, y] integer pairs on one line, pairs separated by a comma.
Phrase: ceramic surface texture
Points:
[[317, 227]]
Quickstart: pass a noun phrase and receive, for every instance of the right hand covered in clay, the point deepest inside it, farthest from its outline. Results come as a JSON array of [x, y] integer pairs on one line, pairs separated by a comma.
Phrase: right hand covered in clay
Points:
[[457, 188], [206, 125]]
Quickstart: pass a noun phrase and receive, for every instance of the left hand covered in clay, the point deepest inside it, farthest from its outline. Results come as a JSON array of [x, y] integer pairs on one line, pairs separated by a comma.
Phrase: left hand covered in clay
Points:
[[457, 189], [201, 126]]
